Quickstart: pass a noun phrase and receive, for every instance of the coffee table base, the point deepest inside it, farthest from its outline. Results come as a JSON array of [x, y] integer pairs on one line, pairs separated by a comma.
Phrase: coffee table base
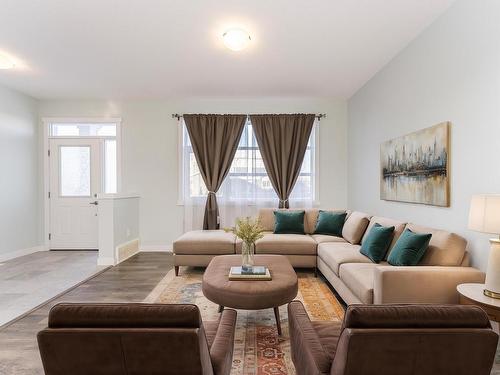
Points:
[[276, 316]]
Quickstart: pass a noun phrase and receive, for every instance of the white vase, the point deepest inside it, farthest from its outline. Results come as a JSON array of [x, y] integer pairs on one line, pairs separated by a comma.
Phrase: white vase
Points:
[[247, 253]]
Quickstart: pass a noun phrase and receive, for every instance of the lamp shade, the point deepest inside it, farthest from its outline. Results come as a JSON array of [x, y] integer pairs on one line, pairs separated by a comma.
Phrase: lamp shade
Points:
[[484, 214]]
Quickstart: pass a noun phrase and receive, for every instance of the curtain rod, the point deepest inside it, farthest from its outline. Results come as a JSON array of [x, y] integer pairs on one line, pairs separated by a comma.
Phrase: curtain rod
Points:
[[318, 116]]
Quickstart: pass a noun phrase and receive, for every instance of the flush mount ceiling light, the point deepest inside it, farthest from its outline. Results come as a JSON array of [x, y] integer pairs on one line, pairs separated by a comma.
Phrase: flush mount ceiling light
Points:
[[6, 62], [236, 39]]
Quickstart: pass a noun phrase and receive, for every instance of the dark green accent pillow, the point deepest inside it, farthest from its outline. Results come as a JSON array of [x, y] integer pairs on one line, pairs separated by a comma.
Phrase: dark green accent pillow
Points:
[[409, 248], [377, 242], [289, 222], [330, 223]]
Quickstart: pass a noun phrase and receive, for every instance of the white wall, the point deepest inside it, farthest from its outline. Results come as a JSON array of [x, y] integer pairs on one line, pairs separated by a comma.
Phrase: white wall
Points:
[[149, 145], [451, 72], [20, 215]]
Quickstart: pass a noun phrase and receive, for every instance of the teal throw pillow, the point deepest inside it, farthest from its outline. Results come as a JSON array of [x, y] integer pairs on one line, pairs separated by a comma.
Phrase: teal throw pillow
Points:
[[409, 249], [330, 223], [377, 242], [289, 222]]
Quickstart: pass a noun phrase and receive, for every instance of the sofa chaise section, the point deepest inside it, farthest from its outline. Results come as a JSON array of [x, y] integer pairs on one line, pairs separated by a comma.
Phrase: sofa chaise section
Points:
[[197, 248]]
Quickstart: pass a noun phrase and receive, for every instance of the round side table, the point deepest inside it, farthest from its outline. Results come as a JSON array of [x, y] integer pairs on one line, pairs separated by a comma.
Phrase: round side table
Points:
[[472, 294]]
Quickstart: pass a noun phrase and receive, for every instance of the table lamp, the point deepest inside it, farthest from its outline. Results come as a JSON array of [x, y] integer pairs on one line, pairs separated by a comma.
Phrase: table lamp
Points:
[[484, 216]]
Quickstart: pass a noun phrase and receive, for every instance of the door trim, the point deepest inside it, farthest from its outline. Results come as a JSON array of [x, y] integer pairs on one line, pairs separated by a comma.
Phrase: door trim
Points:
[[45, 162]]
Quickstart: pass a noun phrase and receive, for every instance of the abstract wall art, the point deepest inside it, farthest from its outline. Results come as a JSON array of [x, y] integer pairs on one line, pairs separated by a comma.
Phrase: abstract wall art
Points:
[[415, 167]]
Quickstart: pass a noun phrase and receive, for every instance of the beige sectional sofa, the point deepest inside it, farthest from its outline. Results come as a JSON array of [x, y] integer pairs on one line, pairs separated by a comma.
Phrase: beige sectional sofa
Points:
[[355, 277]]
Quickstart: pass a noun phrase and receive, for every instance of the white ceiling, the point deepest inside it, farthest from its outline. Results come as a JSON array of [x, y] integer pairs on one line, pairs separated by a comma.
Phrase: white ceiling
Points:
[[162, 48]]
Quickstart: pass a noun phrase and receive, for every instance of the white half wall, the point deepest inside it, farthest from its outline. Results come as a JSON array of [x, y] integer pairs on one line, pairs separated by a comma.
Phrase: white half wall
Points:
[[451, 72], [118, 226], [150, 159], [20, 213]]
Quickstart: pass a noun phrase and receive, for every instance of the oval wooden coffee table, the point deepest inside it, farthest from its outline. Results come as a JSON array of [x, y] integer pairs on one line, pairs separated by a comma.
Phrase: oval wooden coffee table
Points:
[[251, 294]]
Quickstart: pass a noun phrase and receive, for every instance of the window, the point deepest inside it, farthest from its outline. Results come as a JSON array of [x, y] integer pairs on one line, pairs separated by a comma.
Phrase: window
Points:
[[83, 130], [247, 179], [107, 132], [110, 166]]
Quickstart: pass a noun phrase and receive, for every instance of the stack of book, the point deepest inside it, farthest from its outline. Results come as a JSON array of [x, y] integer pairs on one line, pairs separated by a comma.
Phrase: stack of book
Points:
[[254, 273]]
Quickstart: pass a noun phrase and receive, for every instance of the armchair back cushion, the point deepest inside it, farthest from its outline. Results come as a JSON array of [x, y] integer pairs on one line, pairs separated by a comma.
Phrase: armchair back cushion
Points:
[[415, 339], [124, 338]]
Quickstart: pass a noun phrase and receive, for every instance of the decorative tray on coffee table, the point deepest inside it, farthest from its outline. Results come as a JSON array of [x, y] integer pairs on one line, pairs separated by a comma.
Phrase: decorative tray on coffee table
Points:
[[254, 273]]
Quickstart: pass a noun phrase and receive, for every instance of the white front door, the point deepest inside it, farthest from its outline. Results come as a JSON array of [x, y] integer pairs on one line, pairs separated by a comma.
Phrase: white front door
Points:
[[75, 181]]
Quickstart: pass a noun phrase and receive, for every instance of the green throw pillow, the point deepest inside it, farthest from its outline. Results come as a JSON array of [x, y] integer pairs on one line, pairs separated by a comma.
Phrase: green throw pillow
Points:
[[330, 223], [409, 249], [377, 242], [291, 222]]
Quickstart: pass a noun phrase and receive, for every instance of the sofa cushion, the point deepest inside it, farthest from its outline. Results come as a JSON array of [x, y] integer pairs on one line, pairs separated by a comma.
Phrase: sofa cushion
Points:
[[199, 242], [445, 248], [359, 277], [355, 227], [266, 217], [289, 222], [286, 244], [330, 223], [399, 226], [320, 238], [376, 244], [409, 249], [334, 254]]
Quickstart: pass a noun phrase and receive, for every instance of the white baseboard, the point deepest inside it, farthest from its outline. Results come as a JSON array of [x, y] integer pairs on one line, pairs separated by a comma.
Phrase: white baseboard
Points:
[[162, 248], [19, 253]]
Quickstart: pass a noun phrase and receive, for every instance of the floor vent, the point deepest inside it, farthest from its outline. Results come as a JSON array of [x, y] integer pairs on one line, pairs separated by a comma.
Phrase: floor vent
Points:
[[126, 250]]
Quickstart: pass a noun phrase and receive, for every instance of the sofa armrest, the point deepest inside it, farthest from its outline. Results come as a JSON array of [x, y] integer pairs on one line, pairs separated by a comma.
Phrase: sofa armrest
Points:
[[421, 284], [308, 354]]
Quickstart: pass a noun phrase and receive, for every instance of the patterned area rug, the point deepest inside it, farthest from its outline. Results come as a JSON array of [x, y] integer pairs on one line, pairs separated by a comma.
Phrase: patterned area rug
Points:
[[258, 350]]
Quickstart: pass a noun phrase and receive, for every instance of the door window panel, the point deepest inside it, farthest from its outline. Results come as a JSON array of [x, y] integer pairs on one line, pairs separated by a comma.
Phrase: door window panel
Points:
[[74, 171]]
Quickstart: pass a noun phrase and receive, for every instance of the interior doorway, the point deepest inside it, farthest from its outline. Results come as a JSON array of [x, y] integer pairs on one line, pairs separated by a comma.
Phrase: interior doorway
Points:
[[82, 164]]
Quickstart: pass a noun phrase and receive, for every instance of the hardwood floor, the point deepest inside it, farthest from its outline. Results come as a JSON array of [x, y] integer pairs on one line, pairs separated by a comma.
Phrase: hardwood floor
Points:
[[28, 281], [130, 281]]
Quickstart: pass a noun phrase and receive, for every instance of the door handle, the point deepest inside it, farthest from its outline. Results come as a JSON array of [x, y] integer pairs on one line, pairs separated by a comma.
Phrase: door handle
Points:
[[94, 203]]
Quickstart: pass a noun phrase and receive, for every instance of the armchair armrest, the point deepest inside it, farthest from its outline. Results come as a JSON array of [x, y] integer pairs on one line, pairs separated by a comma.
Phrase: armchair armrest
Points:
[[308, 354], [221, 350], [421, 284]]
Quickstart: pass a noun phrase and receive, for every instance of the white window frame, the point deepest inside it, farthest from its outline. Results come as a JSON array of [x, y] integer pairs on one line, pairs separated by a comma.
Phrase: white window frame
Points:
[[46, 125], [180, 161]]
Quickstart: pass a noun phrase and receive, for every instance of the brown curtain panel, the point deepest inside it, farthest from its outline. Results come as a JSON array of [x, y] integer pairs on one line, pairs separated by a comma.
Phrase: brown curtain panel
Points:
[[214, 139], [282, 141]]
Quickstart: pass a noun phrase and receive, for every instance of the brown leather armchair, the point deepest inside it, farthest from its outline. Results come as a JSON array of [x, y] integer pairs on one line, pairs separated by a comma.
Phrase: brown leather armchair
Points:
[[394, 340], [119, 339]]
